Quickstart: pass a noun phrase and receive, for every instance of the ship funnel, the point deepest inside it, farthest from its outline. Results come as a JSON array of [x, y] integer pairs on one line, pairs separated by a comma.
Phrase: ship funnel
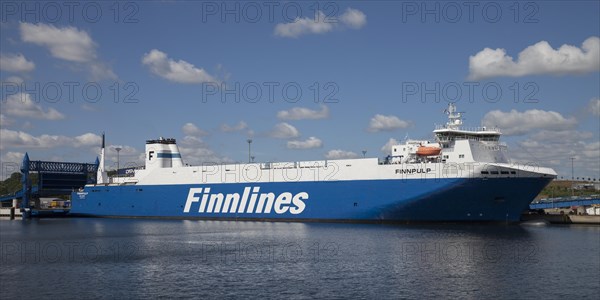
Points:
[[162, 153]]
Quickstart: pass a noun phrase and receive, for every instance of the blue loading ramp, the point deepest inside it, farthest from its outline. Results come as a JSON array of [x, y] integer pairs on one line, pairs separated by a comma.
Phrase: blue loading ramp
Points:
[[54, 179]]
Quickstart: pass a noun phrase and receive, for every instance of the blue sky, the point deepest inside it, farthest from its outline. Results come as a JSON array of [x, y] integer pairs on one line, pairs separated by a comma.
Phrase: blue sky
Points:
[[368, 72]]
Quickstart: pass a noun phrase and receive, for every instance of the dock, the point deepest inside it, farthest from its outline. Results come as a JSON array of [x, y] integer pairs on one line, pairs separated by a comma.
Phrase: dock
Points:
[[569, 210], [55, 181]]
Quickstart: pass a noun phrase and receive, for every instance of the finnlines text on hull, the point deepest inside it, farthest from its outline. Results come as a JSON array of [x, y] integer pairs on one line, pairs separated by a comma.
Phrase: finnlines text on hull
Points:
[[249, 202]]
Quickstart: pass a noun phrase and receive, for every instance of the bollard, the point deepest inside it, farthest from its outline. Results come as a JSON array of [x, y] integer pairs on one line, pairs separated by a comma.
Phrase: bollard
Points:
[[13, 209]]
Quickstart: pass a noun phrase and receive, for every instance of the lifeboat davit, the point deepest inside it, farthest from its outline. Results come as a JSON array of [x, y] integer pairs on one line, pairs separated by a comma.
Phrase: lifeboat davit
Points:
[[428, 151]]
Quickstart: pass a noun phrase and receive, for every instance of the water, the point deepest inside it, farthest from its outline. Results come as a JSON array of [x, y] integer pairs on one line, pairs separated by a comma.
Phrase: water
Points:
[[125, 258]]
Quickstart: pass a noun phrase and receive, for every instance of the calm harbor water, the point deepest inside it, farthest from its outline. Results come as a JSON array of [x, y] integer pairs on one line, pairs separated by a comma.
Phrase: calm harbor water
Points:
[[132, 258]]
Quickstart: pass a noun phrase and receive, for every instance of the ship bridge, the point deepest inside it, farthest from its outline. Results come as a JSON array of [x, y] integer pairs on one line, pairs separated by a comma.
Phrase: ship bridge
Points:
[[453, 143], [453, 130], [446, 135]]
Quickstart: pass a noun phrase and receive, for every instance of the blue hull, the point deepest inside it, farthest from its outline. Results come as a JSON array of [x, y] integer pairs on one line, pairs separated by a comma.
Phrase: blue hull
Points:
[[464, 199]]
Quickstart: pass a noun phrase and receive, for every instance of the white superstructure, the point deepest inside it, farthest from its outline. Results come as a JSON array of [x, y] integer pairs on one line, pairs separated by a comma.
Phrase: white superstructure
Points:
[[457, 152], [454, 144]]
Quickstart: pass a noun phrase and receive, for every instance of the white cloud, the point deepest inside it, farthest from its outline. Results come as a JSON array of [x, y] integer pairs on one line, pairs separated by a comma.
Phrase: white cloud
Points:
[[125, 150], [15, 63], [11, 156], [572, 136], [387, 148], [310, 143], [88, 140], [594, 106], [100, 71], [518, 123], [540, 58], [284, 131], [320, 24], [27, 125], [191, 140], [340, 154], [238, 127], [67, 43], [550, 148], [4, 121], [179, 71], [301, 113], [11, 162], [351, 18], [354, 18], [127, 157], [193, 130], [12, 138], [386, 123], [592, 151], [202, 155], [196, 152], [22, 139], [70, 44], [21, 105], [12, 80]]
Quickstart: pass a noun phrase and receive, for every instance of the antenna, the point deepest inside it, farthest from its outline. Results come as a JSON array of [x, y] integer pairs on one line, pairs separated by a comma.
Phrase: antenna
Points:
[[454, 117]]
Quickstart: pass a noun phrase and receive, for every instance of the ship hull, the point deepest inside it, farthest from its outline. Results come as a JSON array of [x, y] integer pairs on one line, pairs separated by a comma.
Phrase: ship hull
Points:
[[393, 200]]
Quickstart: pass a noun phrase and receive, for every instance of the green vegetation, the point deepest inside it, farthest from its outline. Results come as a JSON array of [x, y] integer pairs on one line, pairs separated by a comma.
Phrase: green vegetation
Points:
[[563, 188], [13, 184]]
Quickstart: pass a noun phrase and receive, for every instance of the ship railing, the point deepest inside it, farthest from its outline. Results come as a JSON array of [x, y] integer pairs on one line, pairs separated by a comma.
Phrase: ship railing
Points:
[[479, 129], [443, 139]]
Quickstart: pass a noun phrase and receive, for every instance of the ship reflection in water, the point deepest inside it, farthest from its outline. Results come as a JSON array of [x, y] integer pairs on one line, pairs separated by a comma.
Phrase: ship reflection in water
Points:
[[125, 258]]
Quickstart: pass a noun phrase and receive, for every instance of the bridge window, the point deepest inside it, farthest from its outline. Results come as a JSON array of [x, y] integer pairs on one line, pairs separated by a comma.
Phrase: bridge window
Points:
[[485, 172], [461, 156], [503, 172], [494, 172]]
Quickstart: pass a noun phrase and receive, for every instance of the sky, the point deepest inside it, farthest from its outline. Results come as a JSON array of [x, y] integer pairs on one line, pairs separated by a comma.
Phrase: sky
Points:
[[305, 80]]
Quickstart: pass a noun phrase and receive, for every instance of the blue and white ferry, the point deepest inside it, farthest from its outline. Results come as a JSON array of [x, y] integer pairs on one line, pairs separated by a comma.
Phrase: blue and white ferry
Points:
[[463, 175]]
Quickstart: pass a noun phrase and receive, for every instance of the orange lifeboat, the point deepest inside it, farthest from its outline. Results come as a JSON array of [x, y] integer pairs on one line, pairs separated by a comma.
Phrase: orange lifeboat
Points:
[[428, 151]]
